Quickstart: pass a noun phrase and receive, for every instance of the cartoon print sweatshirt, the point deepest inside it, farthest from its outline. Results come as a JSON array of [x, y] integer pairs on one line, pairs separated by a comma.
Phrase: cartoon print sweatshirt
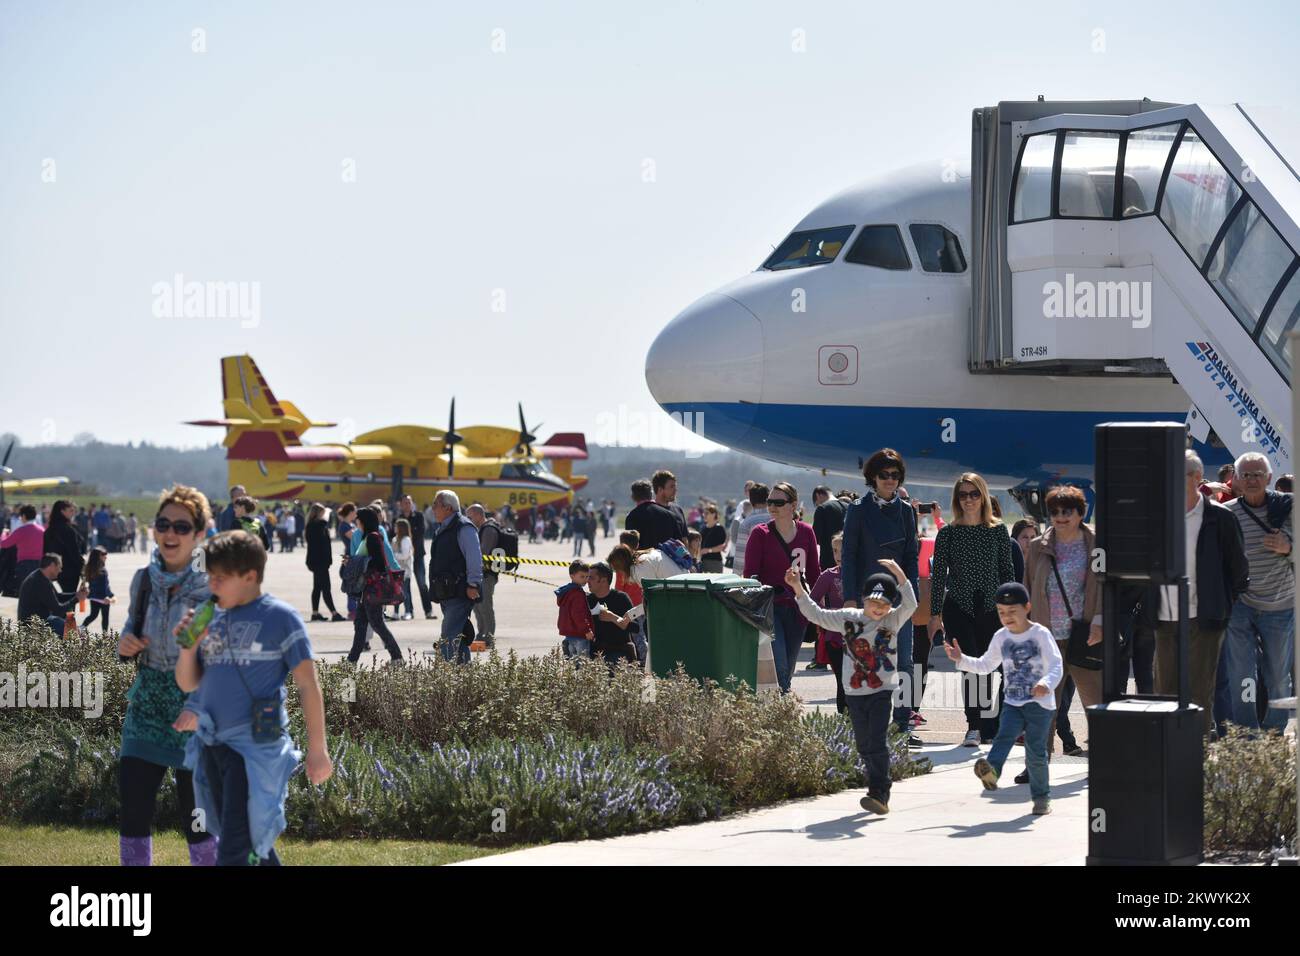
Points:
[[870, 658], [1027, 659]]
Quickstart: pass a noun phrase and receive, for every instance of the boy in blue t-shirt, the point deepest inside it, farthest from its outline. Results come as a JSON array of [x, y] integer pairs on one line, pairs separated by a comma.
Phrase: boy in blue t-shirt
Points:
[[241, 753]]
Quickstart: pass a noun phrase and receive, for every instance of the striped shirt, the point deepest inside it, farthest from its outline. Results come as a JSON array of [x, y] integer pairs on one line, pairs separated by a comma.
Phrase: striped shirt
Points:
[[1272, 577]]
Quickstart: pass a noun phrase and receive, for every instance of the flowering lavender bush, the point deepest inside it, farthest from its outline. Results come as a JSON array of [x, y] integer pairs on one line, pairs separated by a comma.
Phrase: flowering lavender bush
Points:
[[846, 769], [556, 788]]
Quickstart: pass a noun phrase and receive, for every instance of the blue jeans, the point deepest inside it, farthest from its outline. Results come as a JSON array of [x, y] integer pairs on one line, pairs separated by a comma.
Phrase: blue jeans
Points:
[[788, 625], [56, 624], [1035, 723], [454, 615], [406, 595], [229, 782], [1259, 645], [910, 699], [577, 647], [870, 714]]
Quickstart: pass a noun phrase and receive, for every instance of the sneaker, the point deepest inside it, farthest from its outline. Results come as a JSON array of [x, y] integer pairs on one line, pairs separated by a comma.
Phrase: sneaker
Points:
[[1072, 749], [407, 617], [814, 666], [430, 616], [1042, 807], [914, 741], [988, 776], [1023, 776], [972, 739], [317, 617], [873, 804], [337, 617], [917, 720]]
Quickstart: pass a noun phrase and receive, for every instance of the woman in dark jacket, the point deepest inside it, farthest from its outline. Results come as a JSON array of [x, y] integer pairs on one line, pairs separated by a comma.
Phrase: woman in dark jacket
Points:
[[369, 544], [319, 559], [879, 525], [61, 538]]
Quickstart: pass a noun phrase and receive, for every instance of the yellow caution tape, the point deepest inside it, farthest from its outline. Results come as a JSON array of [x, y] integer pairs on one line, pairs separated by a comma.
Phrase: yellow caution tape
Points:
[[504, 560]]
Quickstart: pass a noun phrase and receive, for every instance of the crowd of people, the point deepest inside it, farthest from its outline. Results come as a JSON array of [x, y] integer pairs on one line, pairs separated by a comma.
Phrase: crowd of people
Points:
[[877, 581], [1025, 599]]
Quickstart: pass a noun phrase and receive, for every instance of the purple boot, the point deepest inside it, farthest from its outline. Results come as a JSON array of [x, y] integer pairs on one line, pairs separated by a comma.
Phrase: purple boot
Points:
[[204, 853], [135, 851]]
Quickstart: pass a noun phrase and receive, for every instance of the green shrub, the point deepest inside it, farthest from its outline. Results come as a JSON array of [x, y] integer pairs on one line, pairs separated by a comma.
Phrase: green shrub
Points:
[[1250, 792], [34, 647], [498, 792], [756, 747], [725, 748]]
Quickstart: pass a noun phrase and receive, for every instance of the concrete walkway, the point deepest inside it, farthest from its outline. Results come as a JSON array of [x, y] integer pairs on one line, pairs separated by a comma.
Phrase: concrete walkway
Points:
[[944, 817]]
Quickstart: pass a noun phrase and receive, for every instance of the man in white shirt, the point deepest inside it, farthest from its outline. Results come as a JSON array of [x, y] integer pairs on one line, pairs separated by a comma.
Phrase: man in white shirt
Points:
[[1217, 573]]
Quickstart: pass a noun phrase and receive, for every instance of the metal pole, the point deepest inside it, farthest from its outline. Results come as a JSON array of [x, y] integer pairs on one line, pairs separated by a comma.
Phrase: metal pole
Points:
[[1294, 339], [1184, 638]]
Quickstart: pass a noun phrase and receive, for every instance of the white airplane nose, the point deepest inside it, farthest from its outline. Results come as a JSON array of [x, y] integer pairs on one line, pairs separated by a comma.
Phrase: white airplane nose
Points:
[[711, 352]]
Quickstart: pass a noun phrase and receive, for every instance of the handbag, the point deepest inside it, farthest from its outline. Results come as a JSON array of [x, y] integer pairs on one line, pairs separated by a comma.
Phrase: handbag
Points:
[[1078, 652], [382, 587]]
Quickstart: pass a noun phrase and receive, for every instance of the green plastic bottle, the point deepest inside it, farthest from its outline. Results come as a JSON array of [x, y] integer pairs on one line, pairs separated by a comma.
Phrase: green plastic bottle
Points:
[[198, 624]]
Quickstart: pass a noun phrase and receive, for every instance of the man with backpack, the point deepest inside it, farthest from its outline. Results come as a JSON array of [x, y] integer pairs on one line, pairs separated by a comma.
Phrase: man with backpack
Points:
[[496, 542]]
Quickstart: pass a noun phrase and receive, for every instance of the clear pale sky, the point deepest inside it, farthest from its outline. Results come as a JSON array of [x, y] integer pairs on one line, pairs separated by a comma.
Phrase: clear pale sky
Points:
[[520, 169]]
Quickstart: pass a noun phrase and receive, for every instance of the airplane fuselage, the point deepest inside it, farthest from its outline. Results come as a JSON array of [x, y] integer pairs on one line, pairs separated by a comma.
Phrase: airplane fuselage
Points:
[[819, 365]]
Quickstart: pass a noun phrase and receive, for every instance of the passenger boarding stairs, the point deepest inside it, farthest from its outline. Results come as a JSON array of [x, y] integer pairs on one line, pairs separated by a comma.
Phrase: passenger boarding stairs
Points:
[[1139, 238]]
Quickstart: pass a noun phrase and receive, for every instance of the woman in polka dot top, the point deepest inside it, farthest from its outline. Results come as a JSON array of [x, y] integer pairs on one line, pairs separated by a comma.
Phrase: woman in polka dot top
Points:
[[972, 559]]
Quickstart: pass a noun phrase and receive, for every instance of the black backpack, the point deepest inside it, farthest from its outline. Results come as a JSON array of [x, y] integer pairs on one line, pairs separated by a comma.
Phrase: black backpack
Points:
[[507, 543]]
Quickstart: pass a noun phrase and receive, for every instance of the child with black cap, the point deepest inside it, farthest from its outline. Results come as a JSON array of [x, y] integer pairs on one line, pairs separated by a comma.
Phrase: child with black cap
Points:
[[870, 668], [1031, 669]]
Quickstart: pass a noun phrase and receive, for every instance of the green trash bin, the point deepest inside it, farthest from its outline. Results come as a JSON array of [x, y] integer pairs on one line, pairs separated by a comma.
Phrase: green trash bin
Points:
[[689, 626]]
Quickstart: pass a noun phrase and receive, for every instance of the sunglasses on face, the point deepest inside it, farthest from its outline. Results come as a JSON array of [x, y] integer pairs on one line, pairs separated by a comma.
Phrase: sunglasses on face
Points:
[[1061, 512], [180, 527], [777, 502], [889, 476], [968, 495]]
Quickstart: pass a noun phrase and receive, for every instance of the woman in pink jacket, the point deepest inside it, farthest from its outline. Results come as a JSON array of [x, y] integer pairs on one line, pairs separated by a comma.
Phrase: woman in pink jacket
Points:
[[772, 549]]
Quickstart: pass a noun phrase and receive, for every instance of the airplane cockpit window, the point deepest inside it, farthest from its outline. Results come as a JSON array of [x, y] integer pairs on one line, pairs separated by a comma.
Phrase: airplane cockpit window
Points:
[[938, 248], [523, 470], [809, 247], [879, 246]]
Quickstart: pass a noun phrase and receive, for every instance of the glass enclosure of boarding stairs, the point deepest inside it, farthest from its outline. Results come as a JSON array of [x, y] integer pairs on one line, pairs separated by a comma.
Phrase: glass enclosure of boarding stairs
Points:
[[1125, 238]]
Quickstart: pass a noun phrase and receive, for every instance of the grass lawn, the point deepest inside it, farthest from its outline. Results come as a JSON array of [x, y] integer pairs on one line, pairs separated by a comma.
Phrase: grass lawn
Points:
[[34, 845]]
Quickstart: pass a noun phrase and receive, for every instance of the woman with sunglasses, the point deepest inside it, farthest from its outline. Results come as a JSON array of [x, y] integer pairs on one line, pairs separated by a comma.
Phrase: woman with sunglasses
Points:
[[1068, 545], [972, 559], [773, 548], [162, 593], [878, 526]]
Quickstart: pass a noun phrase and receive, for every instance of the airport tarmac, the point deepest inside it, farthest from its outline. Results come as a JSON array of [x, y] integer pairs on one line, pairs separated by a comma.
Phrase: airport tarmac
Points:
[[526, 613]]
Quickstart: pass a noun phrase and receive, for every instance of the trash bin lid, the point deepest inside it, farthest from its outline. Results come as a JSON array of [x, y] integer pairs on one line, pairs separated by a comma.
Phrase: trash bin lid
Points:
[[701, 582]]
